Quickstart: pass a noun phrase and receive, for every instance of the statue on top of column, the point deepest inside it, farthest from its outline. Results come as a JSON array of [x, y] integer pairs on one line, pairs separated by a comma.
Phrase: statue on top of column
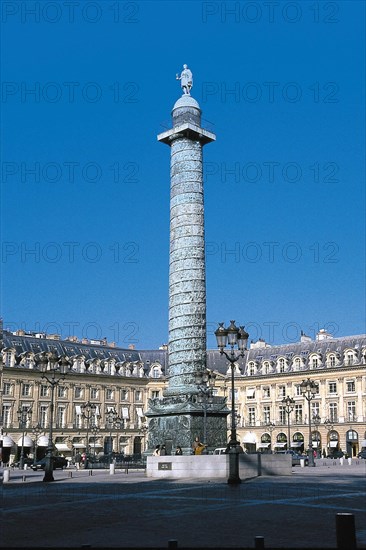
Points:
[[186, 80]]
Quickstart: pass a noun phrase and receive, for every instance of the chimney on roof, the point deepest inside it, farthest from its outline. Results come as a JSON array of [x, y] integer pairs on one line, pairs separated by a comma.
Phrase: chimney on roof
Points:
[[131, 346]]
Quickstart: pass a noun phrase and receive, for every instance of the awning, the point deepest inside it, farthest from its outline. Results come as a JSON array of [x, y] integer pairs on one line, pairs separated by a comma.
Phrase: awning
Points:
[[78, 445], [62, 447], [7, 441], [27, 441], [280, 445], [139, 412], [125, 414], [263, 445], [296, 444], [78, 409], [250, 392], [333, 443], [316, 443], [42, 441], [249, 438], [97, 445]]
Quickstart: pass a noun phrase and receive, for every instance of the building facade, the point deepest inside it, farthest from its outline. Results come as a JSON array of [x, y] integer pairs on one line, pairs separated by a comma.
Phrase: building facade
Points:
[[125, 380]]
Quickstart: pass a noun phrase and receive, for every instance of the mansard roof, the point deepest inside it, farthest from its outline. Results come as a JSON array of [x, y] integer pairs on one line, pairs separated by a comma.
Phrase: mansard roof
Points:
[[215, 361]]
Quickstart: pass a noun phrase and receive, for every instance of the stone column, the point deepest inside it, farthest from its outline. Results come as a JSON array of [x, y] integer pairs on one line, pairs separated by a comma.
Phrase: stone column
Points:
[[178, 417]]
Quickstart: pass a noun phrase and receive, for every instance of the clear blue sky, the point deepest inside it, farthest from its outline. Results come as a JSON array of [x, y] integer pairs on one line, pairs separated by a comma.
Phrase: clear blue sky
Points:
[[283, 89]]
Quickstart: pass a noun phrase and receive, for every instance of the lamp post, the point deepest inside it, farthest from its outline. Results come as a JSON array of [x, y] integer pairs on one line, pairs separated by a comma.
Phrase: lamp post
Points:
[[54, 370], [288, 405], [233, 336], [316, 422], [270, 426], [309, 389], [144, 429], [205, 383], [112, 418], [329, 426], [94, 430], [36, 432], [88, 412], [24, 414]]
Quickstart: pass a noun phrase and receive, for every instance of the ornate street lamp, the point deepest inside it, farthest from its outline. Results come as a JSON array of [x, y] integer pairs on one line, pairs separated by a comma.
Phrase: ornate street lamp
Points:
[[329, 424], [54, 370], [36, 432], [94, 430], [88, 412], [288, 406], [233, 336], [24, 415], [111, 417], [309, 389], [316, 422], [144, 430], [205, 383], [270, 427]]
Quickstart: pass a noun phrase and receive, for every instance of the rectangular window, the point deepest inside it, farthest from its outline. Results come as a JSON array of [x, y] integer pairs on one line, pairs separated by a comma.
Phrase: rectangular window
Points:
[[282, 413], [333, 412], [351, 411], [298, 390], [267, 414], [251, 416], [315, 409], [332, 387], [6, 416], [78, 419], [43, 390], [250, 393], [109, 394], [7, 388], [332, 361], [298, 414], [155, 394], [94, 393], [138, 395], [60, 419], [78, 392], [281, 391], [124, 395], [266, 392], [26, 390], [43, 416], [61, 391], [351, 388], [8, 355]]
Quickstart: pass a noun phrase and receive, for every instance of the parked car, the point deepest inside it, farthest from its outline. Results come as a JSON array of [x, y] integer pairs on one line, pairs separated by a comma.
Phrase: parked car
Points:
[[296, 458], [220, 451], [57, 461], [362, 454], [28, 461], [336, 454]]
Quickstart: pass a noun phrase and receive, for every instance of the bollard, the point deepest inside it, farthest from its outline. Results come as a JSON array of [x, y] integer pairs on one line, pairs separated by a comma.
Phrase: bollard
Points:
[[90, 472], [6, 476], [259, 543], [302, 462], [345, 531], [24, 478], [70, 474], [350, 462], [25, 466], [341, 461], [112, 468], [172, 544]]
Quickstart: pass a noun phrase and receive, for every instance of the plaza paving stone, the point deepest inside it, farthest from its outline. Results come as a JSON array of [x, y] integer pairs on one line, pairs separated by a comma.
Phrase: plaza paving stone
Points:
[[132, 511]]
